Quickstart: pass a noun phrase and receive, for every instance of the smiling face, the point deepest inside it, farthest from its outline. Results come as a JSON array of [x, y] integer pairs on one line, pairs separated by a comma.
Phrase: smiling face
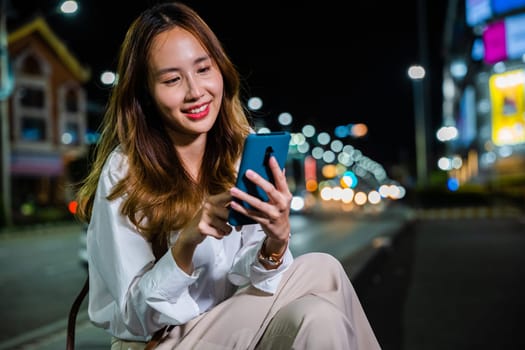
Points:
[[185, 83]]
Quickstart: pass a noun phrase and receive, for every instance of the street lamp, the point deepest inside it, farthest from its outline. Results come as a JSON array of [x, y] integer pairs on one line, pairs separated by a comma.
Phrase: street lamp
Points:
[[417, 73], [69, 7]]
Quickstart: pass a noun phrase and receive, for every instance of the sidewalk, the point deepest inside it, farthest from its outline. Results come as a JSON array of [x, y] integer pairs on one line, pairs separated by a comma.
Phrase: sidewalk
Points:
[[454, 283], [370, 234]]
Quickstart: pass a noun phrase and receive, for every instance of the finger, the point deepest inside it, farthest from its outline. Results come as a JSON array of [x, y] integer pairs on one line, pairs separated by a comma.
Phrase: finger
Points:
[[217, 229], [222, 199], [254, 214], [244, 197], [223, 229], [258, 210], [212, 210], [274, 196], [260, 181], [278, 175]]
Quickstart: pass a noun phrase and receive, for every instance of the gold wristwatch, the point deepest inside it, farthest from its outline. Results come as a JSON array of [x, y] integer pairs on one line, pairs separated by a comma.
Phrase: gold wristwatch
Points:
[[272, 261]]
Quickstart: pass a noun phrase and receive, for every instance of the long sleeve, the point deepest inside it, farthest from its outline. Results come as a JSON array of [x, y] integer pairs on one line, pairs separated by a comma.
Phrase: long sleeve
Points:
[[247, 268], [131, 295]]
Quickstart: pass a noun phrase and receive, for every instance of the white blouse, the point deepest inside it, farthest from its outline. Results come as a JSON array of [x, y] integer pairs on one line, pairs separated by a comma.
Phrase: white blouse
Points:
[[131, 296]]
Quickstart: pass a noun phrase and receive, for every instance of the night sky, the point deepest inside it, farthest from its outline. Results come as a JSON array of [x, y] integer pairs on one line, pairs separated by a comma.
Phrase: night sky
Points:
[[329, 64]]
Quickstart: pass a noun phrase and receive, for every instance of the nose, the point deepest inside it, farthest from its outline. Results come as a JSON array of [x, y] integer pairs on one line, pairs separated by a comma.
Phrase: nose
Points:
[[194, 90]]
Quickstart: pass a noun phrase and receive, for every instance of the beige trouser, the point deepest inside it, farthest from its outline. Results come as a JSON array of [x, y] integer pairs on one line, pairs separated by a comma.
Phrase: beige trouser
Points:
[[315, 308]]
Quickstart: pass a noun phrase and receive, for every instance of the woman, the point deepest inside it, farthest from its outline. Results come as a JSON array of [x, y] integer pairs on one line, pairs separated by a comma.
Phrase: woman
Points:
[[160, 250]]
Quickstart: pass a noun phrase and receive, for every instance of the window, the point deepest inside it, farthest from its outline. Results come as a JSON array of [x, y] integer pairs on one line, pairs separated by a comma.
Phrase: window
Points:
[[31, 105], [33, 129], [31, 65], [31, 101], [72, 102], [71, 134], [31, 97]]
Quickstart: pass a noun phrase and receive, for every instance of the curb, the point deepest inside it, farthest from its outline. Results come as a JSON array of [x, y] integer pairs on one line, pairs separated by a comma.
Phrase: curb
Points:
[[356, 264]]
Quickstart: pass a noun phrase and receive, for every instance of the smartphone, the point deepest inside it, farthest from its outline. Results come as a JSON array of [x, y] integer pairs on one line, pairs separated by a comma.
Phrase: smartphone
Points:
[[258, 148]]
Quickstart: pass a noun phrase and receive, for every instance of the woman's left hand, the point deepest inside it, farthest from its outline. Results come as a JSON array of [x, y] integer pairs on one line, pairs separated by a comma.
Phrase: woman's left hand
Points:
[[273, 215]]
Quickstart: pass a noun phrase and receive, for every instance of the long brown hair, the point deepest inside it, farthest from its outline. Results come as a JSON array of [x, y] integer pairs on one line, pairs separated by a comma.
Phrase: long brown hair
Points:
[[159, 195]]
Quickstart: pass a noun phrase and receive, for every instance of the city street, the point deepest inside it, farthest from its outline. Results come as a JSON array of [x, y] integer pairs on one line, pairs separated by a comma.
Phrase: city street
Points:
[[40, 276], [43, 273], [427, 280]]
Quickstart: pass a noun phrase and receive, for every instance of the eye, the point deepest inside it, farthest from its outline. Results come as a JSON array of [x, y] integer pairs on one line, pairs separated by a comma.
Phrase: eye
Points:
[[204, 69], [171, 81]]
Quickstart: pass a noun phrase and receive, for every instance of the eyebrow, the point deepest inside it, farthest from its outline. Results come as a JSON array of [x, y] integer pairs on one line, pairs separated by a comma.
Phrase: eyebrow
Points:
[[175, 69]]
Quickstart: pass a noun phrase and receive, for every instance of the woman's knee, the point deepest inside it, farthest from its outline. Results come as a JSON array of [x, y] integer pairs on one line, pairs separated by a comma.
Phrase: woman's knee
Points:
[[319, 261], [310, 309]]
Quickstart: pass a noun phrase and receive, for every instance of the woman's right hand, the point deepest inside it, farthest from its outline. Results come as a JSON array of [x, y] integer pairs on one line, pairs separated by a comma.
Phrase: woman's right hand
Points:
[[210, 220]]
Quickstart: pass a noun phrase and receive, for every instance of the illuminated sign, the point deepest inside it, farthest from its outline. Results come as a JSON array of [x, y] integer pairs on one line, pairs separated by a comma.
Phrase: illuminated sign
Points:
[[504, 6], [495, 43], [515, 36], [504, 39], [507, 99], [477, 11], [466, 122]]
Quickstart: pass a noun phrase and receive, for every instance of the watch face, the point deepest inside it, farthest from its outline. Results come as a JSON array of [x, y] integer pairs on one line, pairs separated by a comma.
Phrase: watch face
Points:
[[270, 261]]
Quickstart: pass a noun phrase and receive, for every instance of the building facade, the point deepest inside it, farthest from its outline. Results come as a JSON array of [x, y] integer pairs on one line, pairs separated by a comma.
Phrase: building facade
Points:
[[484, 92], [47, 112]]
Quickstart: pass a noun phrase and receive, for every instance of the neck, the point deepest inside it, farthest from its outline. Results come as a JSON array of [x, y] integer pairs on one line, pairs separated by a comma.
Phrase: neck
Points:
[[191, 153]]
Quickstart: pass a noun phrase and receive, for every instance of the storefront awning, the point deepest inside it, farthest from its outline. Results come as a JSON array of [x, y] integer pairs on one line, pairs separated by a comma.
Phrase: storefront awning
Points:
[[28, 164]]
